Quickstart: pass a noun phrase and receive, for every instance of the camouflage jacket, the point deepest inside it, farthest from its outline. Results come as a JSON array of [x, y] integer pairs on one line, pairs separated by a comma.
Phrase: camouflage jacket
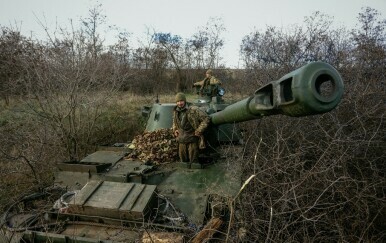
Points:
[[212, 81], [187, 121], [208, 86]]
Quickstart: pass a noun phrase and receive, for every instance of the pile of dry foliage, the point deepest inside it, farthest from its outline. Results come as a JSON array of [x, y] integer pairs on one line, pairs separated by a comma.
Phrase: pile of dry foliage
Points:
[[157, 146]]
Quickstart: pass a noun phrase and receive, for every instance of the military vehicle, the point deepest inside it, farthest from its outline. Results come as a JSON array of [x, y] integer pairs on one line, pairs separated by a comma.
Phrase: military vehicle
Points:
[[110, 197]]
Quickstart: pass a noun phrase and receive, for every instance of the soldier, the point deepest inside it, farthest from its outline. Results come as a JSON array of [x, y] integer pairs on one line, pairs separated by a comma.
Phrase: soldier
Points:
[[209, 86], [189, 124]]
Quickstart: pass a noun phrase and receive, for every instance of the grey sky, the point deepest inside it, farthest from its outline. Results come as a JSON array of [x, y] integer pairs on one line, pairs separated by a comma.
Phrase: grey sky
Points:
[[182, 17]]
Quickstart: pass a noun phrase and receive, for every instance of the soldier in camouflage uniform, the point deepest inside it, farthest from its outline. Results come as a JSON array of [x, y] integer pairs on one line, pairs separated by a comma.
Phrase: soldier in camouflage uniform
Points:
[[209, 86], [189, 124]]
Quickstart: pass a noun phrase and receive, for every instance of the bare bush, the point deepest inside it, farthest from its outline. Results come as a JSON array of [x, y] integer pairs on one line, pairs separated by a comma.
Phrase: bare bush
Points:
[[319, 178], [28, 154]]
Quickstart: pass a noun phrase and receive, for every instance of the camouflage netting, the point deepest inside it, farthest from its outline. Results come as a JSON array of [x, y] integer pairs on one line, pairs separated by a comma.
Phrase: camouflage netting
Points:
[[158, 146]]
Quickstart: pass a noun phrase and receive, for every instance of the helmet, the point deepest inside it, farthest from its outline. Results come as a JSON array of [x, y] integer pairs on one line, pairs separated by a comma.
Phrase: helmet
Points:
[[180, 96], [209, 71]]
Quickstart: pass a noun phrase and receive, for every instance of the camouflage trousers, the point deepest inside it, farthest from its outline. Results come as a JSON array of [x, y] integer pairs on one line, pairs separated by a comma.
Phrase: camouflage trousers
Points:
[[188, 152]]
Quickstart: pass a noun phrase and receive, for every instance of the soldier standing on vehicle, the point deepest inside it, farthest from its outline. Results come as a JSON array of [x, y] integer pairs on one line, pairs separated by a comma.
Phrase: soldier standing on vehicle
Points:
[[209, 86], [189, 124]]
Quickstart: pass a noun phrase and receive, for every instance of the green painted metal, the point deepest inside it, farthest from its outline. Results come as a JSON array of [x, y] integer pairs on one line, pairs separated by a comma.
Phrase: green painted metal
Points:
[[312, 89], [188, 189], [126, 201], [161, 116]]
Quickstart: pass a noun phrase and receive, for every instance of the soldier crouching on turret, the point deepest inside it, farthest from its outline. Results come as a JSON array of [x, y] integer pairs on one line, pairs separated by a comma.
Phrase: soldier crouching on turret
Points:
[[189, 124]]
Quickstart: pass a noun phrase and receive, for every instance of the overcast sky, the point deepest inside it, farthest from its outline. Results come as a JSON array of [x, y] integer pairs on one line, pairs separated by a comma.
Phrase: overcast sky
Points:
[[182, 17]]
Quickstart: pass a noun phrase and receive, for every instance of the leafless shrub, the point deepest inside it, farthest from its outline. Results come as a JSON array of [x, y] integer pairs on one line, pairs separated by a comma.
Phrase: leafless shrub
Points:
[[319, 178], [28, 154]]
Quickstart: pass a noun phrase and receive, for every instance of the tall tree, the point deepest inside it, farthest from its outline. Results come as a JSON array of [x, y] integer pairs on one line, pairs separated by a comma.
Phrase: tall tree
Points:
[[91, 26], [207, 44], [173, 47], [370, 43]]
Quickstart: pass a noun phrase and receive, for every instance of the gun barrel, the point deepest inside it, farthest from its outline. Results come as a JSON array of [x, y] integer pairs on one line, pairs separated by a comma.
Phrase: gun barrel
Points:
[[312, 89]]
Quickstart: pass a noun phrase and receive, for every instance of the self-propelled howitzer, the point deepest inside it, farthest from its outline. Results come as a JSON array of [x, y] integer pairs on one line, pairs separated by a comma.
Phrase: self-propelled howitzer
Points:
[[109, 196]]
